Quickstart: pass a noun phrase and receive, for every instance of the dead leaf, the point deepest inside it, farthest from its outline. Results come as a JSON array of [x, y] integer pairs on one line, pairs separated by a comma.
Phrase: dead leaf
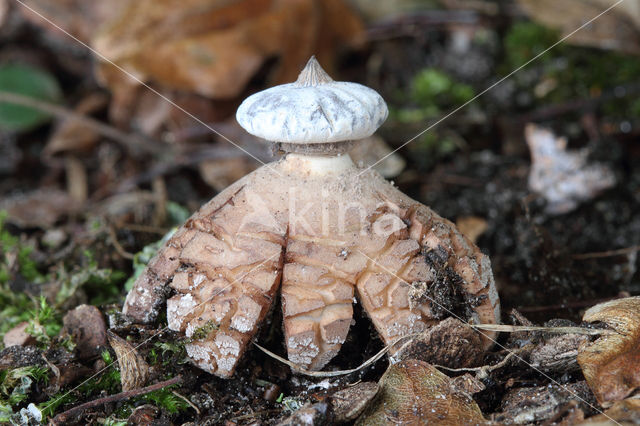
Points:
[[414, 392], [220, 173], [626, 412], [78, 17], [40, 208], [134, 370], [611, 364], [616, 29], [472, 227], [449, 343], [540, 403], [375, 151], [213, 48], [557, 353], [71, 135], [348, 403]]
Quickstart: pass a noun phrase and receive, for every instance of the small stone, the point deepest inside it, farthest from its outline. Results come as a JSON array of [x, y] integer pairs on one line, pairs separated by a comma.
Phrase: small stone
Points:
[[54, 238], [18, 336], [88, 330]]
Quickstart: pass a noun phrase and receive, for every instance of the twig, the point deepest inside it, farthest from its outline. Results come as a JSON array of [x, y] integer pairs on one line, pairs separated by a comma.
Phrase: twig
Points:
[[116, 244], [560, 330], [483, 369], [64, 417], [191, 404], [144, 228], [336, 373], [608, 253], [135, 145]]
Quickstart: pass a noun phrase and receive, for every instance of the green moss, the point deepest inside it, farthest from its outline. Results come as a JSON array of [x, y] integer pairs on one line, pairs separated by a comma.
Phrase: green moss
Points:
[[203, 331], [15, 387], [44, 323], [525, 40], [166, 400], [108, 382], [101, 284], [10, 245], [168, 352], [432, 92], [143, 257], [569, 72]]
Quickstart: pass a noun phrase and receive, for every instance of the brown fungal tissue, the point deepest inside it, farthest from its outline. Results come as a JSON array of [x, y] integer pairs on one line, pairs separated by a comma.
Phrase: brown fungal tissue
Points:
[[320, 230]]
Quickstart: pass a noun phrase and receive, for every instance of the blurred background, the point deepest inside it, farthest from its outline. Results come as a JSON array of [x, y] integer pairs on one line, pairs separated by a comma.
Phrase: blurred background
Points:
[[539, 170]]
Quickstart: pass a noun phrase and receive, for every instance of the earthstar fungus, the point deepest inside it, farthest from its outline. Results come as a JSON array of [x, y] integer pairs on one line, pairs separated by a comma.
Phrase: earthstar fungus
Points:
[[319, 229]]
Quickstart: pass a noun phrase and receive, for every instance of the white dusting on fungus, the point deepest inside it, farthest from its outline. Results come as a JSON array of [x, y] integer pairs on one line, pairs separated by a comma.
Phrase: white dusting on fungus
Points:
[[302, 350], [227, 345], [197, 352], [226, 364], [242, 324]]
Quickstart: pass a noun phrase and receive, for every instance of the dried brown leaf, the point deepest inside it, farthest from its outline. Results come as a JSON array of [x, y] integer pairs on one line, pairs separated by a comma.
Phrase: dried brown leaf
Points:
[[616, 29], [414, 392], [134, 370], [40, 208], [72, 135], [611, 364], [472, 226], [375, 151], [214, 48], [349, 403], [626, 412], [450, 343]]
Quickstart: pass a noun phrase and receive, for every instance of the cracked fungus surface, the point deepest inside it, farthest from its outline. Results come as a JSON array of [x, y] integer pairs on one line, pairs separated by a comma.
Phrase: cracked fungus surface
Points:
[[321, 239]]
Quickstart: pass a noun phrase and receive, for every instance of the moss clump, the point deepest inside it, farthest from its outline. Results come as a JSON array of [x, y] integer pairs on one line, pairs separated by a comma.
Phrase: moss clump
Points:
[[567, 73]]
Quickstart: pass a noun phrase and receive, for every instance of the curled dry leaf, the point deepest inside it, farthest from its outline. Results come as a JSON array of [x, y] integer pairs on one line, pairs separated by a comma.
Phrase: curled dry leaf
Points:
[[375, 151], [540, 403], [414, 392], [134, 371], [349, 403], [611, 364], [556, 353], [71, 135], [472, 227], [449, 343]]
